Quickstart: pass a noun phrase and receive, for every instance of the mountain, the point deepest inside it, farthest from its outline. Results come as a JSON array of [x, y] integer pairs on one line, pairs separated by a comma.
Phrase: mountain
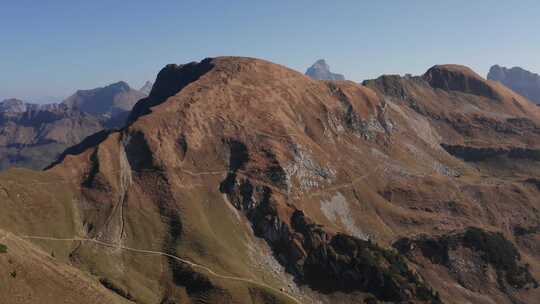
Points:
[[33, 136], [520, 80], [320, 70], [114, 99], [146, 88], [241, 181]]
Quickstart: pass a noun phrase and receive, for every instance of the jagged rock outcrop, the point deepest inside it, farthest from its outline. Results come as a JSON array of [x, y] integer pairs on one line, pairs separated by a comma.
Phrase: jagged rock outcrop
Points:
[[320, 70], [241, 181], [518, 79]]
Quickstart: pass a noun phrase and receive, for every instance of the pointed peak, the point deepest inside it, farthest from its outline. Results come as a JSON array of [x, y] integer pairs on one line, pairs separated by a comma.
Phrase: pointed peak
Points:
[[320, 70]]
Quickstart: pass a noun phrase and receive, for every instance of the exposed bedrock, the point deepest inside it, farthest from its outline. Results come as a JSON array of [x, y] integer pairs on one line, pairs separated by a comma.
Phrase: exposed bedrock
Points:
[[326, 262]]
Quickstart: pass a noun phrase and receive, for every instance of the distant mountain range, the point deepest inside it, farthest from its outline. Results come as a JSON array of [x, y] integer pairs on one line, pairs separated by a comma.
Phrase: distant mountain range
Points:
[[320, 70], [518, 79], [33, 135]]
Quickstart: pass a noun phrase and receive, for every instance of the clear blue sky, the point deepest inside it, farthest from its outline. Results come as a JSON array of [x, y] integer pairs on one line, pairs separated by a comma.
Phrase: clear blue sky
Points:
[[51, 48]]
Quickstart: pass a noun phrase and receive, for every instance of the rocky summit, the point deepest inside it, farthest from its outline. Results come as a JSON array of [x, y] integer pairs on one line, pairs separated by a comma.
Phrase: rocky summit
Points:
[[241, 181], [320, 70], [518, 79]]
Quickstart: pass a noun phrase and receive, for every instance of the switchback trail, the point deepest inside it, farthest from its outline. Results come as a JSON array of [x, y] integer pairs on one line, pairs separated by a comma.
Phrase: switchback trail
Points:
[[151, 252]]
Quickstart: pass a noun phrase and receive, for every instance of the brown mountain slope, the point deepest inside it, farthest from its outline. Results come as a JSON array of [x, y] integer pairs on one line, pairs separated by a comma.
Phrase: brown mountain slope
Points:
[[241, 181]]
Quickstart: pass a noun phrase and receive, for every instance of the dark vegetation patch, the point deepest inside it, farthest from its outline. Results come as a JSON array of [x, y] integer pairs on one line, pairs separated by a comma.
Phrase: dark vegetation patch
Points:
[[534, 181], [523, 231], [182, 145], [468, 153], [138, 152], [259, 296], [3, 248], [238, 157], [345, 263], [493, 248], [274, 172], [116, 289], [92, 178], [183, 275]]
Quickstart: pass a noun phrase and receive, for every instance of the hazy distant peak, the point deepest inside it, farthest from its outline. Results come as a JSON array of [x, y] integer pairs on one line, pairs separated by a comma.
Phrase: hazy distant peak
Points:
[[118, 95], [320, 70], [146, 88], [518, 79]]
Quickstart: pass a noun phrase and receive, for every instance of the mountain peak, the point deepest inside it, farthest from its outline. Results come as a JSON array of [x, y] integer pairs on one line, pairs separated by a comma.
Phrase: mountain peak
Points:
[[320, 70], [111, 100]]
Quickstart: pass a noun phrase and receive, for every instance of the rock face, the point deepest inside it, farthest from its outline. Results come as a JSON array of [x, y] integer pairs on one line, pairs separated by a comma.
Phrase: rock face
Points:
[[320, 70], [241, 181], [518, 79], [33, 136]]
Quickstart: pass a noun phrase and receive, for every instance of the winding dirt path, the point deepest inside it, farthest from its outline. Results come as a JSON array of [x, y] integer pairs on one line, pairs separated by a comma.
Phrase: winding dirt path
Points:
[[151, 252]]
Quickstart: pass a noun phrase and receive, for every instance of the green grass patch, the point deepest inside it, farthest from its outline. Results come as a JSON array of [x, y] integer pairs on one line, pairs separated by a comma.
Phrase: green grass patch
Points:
[[3, 248]]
